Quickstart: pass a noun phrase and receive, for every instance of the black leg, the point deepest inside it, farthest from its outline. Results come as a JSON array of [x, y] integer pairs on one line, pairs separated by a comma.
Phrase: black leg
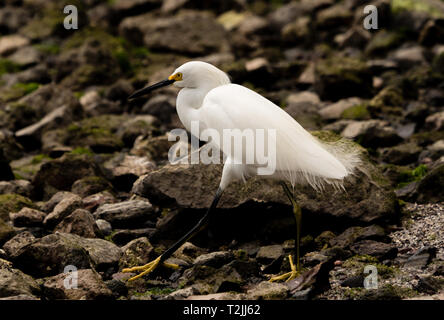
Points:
[[198, 227], [298, 217]]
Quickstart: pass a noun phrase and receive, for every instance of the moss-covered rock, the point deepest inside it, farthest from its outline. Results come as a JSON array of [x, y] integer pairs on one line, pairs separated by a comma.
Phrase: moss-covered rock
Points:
[[383, 41], [357, 112], [12, 202], [337, 78], [388, 101]]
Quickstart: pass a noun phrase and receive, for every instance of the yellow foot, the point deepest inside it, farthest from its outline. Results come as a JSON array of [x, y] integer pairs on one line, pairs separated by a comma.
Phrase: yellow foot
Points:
[[289, 275], [149, 267]]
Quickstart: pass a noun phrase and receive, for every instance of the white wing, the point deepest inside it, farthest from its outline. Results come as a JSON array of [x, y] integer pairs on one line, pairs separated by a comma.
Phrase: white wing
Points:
[[300, 157]]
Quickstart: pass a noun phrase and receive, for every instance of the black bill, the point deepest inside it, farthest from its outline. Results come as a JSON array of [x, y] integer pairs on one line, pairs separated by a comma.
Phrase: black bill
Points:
[[148, 89]]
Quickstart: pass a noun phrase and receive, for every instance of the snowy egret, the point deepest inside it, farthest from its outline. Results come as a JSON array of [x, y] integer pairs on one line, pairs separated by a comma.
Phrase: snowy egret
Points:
[[208, 96]]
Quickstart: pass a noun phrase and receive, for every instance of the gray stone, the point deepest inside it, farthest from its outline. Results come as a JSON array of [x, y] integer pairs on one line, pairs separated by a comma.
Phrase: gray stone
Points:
[[126, 213], [27, 217], [64, 208]]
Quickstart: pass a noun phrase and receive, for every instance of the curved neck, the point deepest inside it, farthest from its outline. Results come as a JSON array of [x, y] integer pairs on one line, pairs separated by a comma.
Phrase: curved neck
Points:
[[188, 103]]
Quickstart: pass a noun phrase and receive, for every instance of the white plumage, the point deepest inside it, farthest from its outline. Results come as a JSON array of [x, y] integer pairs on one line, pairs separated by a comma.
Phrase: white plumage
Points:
[[208, 97]]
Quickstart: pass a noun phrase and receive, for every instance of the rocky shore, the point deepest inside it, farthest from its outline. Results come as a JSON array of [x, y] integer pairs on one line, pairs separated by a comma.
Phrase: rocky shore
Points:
[[84, 174]]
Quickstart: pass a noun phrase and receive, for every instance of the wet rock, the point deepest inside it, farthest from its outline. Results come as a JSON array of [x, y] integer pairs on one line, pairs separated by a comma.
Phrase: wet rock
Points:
[[90, 185], [136, 253], [161, 33], [80, 222], [27, 217], [268, 254], [6, 232], [61, 173], [89, 286], [15, 244], [363, 200], [214, 259], [13, 282], [268, 291], [104, 227], [421, 258], [62, 210], [342, 77], [126, 213], [376, 249], [49, 255], [372, 133], [122, 237], [21, 187]]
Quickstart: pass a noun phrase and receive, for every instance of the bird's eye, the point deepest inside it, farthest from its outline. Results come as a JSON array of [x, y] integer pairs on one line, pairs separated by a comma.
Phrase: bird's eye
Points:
[[179, 76]]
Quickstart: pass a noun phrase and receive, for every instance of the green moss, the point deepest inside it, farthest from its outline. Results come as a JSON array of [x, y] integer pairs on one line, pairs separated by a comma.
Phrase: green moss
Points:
[[18, 90], [39, 158], [47, 48], [408, 176], [358, 112], [12, 202], [383, 41], [398, 6], [80, 150], [7, 66]]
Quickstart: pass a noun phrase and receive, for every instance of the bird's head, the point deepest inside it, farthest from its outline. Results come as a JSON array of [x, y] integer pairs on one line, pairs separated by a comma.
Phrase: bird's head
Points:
[[193, 74]]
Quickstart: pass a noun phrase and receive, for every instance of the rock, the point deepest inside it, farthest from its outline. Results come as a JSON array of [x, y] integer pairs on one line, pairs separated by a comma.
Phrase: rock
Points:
[[376, 249], [268, 291], [182, 294], [372, 133], [179, 182], [155, 148], [49, 205], [335, 110], [10, 43], [80, 222], [15, 244], [355, 37], [316, 279], [337, 78], [60, 174], [333, 16], [62, 210], [122, 237], [92, 202], [160, 106], [26, 56], [409, 56], [6, 232], [161, 33], [354, 234], [214, 259], [218, 6], [60, 116], [402, 154], [27, 217], [49, 255], [430, 284], [382, 42], [12, 18], [126, 213], [104, 227], [435, 121], [354, 282], [268, 254], [20, 297], [89, 287], [126, 169], [136, 253], [304, 108], [189, 252], [90, 185], [12, 202], [21, 187], [132, 128], [430, 188], [13, 282], [421, 258], [117, 287]]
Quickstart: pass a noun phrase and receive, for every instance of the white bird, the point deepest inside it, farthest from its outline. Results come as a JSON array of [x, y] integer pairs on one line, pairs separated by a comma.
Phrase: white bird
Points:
[[208, 96]]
